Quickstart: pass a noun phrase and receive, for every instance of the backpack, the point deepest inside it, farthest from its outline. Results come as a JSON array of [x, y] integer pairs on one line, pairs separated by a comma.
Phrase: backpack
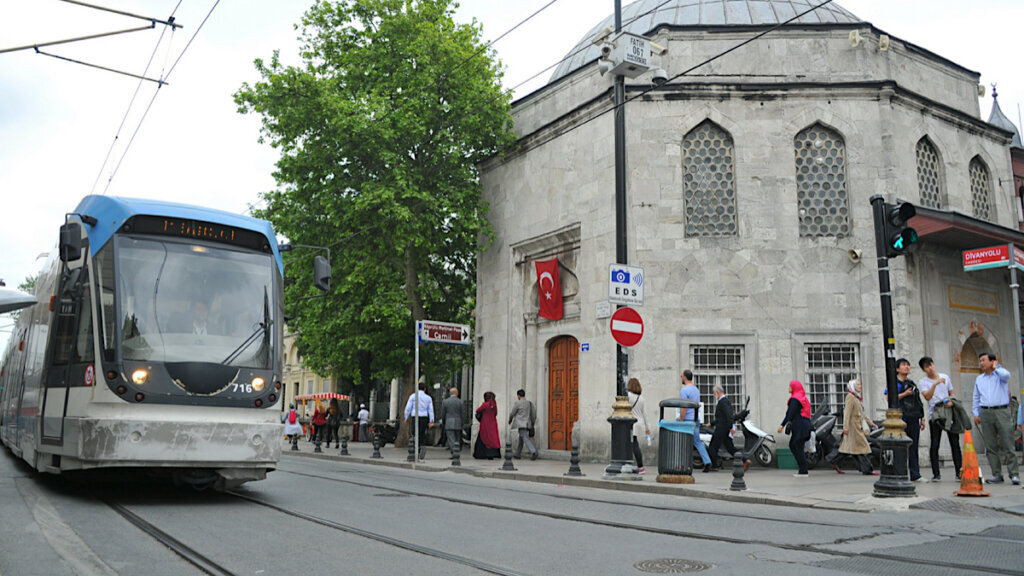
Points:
[[292, 417]]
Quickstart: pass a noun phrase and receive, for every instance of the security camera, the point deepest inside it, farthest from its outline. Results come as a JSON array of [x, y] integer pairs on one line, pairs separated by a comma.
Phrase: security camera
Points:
[[659, 76], [606, 50], [854, 255]]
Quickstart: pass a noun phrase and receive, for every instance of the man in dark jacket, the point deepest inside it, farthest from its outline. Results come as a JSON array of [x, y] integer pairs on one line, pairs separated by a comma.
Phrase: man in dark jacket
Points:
[[723, 426], [451, 415]]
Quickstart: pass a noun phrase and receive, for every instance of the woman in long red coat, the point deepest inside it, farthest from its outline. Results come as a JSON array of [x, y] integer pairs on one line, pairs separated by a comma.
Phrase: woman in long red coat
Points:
[[488, 444]]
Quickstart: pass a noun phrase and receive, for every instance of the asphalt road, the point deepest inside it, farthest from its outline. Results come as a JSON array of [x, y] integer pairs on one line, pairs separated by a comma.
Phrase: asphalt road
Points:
[[315, 516]]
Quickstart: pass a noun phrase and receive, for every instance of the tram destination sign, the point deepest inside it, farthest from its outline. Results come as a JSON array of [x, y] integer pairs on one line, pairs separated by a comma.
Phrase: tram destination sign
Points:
[[443, 332]]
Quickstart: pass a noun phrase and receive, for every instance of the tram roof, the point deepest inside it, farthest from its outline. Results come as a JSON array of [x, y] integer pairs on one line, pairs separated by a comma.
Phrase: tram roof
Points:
[[112, 211]]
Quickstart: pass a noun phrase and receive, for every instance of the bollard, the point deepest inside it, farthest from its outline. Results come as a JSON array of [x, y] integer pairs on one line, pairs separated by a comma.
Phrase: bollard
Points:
[[376, 445], [295, 441], [316, 444], [574, 461], [508, 466], [412, 449], [737, 473], [344, 444], [456, 450]]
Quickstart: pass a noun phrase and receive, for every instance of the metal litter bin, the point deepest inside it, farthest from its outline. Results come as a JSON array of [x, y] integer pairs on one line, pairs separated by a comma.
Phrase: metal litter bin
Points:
[[675, 439]]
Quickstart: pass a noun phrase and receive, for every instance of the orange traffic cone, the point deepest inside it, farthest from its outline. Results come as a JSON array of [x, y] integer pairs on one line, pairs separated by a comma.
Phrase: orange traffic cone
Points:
[[970, 477]]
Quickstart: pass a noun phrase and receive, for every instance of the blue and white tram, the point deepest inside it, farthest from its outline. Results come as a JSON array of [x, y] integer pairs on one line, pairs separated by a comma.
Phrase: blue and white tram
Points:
[[156, 344]]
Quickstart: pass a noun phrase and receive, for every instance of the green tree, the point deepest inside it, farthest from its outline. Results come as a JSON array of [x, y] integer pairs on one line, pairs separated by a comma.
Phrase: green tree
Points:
[[380, 130]]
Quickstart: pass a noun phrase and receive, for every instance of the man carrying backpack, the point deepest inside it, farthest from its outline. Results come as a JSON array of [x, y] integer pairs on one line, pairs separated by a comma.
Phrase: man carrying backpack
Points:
[[292, 428]]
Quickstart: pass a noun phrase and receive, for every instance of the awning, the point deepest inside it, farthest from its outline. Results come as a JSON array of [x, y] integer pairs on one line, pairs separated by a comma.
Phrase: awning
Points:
[[954, 230], [321, 396]]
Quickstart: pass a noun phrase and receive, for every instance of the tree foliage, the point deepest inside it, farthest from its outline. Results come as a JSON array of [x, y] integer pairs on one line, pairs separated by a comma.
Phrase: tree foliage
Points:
[[380, 129]]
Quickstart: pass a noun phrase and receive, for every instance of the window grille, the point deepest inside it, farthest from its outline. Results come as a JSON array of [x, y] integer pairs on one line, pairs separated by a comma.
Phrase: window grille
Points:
[[828, 368], [821, 183], [718, 365], [709, 188], [980, 190], [929, 174]]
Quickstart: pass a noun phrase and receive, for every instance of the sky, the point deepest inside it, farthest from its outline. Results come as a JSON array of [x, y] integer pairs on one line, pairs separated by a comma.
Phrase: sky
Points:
[[65, 128]]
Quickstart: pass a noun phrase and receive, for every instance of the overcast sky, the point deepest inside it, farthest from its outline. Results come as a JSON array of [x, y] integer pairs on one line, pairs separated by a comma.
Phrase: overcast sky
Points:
[[58, 120]]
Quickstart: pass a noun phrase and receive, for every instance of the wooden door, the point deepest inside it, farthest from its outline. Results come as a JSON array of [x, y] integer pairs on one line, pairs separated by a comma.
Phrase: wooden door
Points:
[[563, 391]]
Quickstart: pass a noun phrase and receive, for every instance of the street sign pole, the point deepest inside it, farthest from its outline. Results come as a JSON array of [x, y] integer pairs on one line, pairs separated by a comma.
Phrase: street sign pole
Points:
[[415, 452], [1014, 288]]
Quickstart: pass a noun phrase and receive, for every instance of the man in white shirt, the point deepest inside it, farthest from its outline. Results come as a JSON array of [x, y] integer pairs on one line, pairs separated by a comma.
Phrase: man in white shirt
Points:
[[422, 405], [364, 423], [938, 389]]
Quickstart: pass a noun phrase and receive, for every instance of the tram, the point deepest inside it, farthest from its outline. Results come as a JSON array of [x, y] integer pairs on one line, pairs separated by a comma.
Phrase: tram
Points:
[[155, 345]]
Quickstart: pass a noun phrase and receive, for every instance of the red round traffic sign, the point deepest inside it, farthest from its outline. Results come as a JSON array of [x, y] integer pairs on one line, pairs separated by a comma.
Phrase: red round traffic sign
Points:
[[627, 326]]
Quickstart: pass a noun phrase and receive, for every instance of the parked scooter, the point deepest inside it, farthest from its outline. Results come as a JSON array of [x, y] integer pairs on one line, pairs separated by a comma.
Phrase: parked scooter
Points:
[[388, 432], [755, 441], [823, 422]]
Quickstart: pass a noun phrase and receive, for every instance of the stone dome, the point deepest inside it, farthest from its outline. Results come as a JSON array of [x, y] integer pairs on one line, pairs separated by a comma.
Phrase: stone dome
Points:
[[642, 16]]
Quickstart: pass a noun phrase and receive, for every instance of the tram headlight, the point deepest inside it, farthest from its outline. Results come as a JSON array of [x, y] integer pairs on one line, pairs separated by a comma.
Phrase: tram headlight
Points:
[[140, 377], [258, 383]]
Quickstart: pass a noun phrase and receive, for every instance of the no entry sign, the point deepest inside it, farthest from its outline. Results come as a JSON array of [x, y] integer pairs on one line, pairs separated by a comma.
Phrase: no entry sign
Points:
[[627, 327]]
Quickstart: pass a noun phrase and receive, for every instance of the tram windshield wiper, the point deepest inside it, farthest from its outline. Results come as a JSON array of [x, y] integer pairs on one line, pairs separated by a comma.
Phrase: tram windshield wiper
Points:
[[263, 328]]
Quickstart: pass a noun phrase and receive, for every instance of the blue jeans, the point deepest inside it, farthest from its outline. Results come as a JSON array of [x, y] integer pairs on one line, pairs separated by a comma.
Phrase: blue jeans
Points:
[[700, 447]]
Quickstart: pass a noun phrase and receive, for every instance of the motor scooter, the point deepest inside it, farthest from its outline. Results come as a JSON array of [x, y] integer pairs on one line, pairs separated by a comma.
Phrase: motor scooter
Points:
[[755, 441], [823, 422]]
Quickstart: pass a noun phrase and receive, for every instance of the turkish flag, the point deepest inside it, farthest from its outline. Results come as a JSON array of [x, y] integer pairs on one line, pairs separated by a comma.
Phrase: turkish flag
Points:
[[549, 289]]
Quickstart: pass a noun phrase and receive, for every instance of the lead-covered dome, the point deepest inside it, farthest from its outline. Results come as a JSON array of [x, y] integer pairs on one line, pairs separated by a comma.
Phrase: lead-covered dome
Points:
[[643, 16]]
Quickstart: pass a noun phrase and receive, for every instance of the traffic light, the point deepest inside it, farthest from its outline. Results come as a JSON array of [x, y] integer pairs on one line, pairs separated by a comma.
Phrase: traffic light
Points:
[[898, 236], [322, 273]]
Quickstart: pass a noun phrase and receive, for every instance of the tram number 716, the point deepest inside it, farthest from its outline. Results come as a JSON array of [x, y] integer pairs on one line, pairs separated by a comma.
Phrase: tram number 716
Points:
[[247, 388]]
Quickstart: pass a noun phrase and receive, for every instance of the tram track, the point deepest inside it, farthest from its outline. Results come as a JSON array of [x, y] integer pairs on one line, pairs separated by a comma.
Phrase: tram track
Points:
[[718, 538], [186, 552]]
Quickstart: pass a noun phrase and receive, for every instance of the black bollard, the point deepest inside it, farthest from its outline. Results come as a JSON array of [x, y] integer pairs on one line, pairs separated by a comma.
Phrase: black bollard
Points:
[[376, 445], [456, 449], [295, 441], [508, 466], [737, 473], [344, 444], [412, 449], [574, 461], [316, 444]]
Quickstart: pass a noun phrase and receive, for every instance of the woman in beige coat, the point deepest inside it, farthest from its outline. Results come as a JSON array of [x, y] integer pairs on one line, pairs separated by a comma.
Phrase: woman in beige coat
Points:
[[855, 441]]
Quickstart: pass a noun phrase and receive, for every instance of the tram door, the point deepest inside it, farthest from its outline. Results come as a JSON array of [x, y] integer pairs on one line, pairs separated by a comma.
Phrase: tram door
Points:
[[71, 358], [563, 391]]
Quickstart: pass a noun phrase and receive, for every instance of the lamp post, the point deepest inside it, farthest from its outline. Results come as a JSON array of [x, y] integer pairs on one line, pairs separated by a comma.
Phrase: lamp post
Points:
[[622, 418]]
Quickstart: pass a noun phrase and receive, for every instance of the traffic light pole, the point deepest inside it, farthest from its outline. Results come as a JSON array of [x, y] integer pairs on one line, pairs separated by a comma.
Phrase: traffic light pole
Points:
[[894, 479], [622, 420]]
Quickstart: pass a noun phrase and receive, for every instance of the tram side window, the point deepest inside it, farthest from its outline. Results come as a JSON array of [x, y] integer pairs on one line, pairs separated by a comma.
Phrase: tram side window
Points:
[[104, 269], [73, 339]]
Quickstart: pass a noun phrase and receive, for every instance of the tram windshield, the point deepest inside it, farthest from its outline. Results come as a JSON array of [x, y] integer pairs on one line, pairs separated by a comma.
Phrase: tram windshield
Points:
[[182, 302]]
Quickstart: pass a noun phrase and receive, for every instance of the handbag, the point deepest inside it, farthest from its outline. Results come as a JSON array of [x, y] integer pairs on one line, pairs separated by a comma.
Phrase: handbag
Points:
[[810, 445]]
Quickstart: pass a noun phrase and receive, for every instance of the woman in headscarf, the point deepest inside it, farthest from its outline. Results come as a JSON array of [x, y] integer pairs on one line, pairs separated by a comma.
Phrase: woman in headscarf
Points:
[[640, 427], [488, 443], [855, 423], [292, 426], [798, 416]]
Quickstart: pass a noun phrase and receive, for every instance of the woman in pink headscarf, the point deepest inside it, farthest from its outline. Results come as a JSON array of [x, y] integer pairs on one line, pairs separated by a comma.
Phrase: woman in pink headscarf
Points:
[[798, 416]]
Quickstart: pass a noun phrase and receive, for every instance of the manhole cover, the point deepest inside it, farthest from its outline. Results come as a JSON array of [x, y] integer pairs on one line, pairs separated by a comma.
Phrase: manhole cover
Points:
[[671, 566], [392, 495], [958, 508]]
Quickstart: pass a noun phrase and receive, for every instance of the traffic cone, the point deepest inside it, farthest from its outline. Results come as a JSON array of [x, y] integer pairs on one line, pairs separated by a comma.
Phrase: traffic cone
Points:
[[970, 478]]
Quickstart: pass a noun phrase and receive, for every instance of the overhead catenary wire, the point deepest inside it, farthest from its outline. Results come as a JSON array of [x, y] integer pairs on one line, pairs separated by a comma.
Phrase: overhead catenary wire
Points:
[[155, 93], [131, 103]]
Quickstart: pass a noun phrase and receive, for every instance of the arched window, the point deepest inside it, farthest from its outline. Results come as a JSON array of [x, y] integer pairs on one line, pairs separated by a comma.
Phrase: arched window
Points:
[[709, 184], [929, 174], [981, 190], [821, 182]]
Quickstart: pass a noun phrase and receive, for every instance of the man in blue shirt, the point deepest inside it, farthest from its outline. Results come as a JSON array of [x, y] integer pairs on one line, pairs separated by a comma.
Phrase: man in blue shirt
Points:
[[690, 392], [991, 409]]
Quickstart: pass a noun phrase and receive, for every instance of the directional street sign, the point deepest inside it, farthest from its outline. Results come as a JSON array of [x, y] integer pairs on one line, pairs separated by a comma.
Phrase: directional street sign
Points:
[[627, 327], [991, 257], [443, 332]]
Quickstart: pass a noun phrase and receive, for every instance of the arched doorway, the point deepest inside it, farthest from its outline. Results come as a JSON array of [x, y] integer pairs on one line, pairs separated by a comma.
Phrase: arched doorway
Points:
[[975, 345], [563, 391]]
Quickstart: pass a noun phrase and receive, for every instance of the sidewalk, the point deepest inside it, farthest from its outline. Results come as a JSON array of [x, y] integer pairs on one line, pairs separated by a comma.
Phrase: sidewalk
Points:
[[823, 489]]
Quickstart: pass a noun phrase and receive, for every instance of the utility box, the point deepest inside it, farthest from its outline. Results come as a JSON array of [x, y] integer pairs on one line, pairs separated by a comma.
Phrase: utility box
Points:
[[675, 443], [631, 55]]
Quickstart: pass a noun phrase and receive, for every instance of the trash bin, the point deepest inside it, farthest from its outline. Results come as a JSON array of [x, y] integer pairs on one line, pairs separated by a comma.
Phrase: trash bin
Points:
[[675, 439]]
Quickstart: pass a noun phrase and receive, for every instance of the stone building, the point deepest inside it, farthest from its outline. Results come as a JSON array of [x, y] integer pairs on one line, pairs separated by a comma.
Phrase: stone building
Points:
[[748, 186]]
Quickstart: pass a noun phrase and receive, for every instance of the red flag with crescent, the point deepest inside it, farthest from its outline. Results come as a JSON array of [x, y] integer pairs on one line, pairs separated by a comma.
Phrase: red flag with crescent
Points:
[[549, 289]]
